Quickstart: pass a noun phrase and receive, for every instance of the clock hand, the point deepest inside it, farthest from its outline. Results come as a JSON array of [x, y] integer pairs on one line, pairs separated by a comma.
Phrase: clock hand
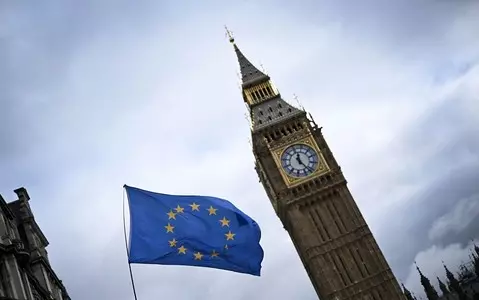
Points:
[[298, 159]]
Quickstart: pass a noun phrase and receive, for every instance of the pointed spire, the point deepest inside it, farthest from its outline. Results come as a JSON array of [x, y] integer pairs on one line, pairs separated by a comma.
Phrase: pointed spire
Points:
[[453, 283], [265, 105], [250, 75], [450, 277], [430, 291], [466, 272], [474, 251], [230, 35], [443, 287], [475, 263], [407, 293]]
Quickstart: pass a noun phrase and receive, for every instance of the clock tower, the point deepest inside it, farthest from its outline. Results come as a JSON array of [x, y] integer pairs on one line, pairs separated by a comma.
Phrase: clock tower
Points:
[[309, 193]]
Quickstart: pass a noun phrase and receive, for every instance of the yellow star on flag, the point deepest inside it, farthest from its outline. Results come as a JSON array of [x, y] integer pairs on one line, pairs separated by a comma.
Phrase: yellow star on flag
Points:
[[230, 235], [225, 222], [195, 206], [214, 254], [169, 228], [171, 215], [212, 211], [198, 255], [182, 250], [172, 243], [179, 209]]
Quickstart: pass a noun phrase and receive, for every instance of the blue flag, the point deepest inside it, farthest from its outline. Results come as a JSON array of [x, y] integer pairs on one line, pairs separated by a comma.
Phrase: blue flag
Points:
[[193, 231]]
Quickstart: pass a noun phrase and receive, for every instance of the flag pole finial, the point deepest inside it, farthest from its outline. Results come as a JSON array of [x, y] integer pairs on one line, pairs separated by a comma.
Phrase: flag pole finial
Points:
[[230, 35]]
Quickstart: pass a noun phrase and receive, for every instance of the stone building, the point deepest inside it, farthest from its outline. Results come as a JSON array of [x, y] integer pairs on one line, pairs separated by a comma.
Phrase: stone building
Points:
[[462, 286], [25, 271], [309, 193]]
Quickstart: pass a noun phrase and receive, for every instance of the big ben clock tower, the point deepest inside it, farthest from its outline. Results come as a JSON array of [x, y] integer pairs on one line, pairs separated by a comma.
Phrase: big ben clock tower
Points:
[[310, 196]]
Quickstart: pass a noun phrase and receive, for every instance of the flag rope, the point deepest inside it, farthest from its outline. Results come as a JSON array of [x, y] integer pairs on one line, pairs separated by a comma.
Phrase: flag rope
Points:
[[127, 250]]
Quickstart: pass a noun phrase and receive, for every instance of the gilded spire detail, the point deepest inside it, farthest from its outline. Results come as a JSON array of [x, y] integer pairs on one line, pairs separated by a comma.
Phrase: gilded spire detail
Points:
[[230, 35], [250, 75], [265, 105]]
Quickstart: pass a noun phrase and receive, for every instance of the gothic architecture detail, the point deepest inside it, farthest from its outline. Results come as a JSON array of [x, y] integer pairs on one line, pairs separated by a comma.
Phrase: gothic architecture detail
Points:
[[267, 106], [25, 271], [429, 289], [309, 193], [408, 294], [464, 287], [442, 287]]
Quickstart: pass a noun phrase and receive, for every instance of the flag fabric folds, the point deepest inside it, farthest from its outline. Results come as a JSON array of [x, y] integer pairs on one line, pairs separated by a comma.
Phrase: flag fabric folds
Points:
[[193, 231]]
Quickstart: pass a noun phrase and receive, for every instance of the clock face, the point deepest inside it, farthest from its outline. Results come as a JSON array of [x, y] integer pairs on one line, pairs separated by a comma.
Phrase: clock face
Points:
[[299, 160]]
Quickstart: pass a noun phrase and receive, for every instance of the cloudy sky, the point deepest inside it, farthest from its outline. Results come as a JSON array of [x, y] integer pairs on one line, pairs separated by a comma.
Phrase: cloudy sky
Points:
[[96, 94]]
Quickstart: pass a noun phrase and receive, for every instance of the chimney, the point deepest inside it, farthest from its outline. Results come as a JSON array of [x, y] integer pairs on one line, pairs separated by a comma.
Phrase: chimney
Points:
[[22, 194]]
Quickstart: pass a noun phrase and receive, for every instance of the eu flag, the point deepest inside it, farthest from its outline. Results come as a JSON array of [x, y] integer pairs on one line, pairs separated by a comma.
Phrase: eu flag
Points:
[[193, 231]]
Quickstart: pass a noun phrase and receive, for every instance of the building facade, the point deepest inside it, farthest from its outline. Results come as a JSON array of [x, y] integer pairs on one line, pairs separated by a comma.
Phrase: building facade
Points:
[[309, 193], [25, 271], [461, 286]]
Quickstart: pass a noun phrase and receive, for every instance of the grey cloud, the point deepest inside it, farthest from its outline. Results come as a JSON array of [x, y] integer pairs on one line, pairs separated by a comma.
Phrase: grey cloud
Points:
[[38, 43], [50, 122], [411, 223], [440, 138], [457, 220], [422, 24]]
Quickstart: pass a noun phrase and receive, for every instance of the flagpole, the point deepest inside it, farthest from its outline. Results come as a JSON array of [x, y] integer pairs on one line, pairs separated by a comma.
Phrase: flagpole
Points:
[[127, 250]]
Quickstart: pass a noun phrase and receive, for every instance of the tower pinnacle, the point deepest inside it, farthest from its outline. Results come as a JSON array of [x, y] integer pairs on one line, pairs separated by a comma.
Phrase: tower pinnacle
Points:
[[250, 75], [407, 293], [230, 35], [430, 291], [264, 101], [443, 287], [454, 284]]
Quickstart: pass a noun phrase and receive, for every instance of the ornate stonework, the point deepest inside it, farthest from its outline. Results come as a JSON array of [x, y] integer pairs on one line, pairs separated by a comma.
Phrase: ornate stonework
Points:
[[25, 272]]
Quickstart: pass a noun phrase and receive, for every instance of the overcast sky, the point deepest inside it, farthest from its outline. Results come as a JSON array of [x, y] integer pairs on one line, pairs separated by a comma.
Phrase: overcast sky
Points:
[[96, 94]]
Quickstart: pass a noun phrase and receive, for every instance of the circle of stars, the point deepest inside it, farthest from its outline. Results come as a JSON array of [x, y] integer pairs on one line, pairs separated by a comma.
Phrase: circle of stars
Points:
[[181, 249]]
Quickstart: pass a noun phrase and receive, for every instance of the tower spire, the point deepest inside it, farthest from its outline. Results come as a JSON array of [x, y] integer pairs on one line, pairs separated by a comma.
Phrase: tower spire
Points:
[[430, 291], [476, 248], [443, 287], [250, 75], [230, 35], [454, 284], [407, 293], [475, 262], [264, 101]]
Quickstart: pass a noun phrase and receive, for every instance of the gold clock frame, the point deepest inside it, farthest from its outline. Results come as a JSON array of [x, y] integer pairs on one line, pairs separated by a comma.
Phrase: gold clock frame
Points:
[[290, 180]]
